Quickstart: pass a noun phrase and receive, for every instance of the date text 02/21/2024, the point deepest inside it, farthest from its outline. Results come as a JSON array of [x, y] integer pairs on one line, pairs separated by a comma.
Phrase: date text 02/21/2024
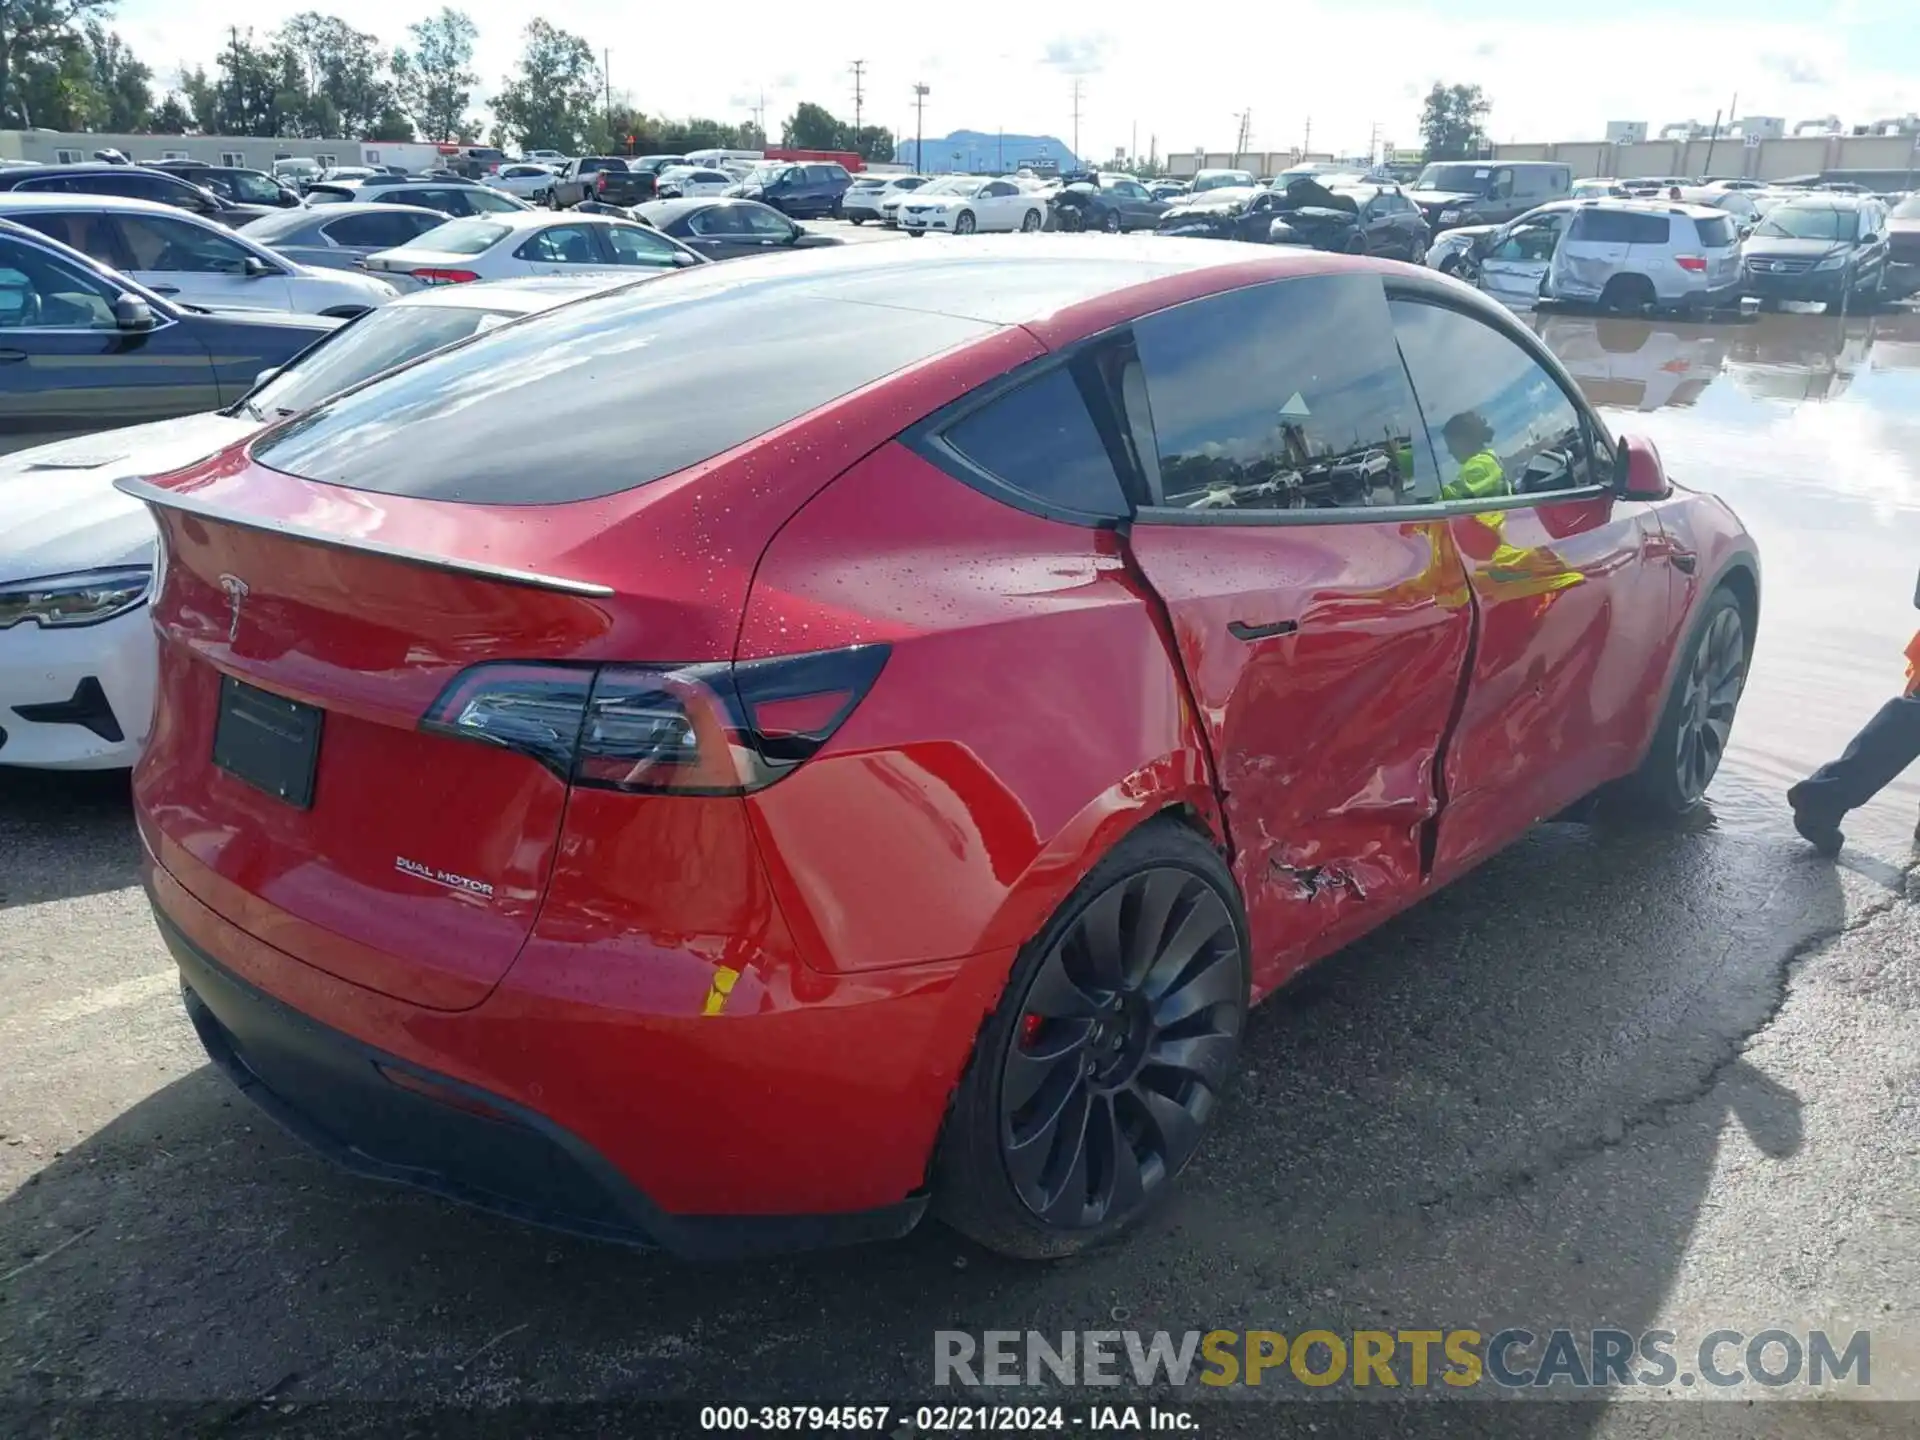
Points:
[[942, 1419]]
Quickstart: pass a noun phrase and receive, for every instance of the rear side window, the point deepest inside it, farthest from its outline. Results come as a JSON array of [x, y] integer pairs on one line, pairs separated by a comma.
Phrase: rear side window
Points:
[[463, 237], [1715, 234], [378, 231], [623, 385], [1619, 227], [1039, 438], [1289, 396]]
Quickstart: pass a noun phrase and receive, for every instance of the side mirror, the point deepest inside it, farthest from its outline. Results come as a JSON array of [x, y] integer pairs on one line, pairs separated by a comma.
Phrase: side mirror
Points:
[[683, 260], [253, 267], [130, 312], [793, 235], [265, 375], [1638, 471]]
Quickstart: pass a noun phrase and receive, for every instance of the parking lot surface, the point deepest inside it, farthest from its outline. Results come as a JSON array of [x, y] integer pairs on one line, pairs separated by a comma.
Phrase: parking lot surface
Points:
[[1620, 1077]]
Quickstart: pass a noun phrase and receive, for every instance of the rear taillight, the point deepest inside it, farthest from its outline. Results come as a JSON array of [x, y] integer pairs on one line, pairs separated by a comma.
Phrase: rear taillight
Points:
[[1696, 264], [435, 276], [714, 729], [600, 184]]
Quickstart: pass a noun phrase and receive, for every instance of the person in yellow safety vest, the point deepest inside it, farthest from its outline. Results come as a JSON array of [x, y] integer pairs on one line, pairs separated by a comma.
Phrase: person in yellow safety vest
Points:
[[1469, 439], [1890, 743]]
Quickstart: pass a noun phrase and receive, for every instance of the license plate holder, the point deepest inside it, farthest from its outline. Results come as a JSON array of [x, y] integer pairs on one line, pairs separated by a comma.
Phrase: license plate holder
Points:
[[268, 741]]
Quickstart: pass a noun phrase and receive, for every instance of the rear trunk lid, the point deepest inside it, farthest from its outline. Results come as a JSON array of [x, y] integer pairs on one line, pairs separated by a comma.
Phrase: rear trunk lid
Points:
[[289, 785]]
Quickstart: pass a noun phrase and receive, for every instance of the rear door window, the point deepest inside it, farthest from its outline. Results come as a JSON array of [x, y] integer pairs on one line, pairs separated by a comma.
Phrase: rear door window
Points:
[[1619, 227], [1287, 396], [1716, 233], [1040, 439], [92, 233], [378, 231]]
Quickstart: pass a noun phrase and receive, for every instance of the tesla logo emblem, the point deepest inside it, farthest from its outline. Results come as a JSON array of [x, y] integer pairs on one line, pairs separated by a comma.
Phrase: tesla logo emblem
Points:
[[236, 590]]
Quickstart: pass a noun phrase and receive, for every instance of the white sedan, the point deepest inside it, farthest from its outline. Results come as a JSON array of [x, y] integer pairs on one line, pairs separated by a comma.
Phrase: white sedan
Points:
[[684, 182], [77, 653], [186, 258], [532, 242], [523, 182], [973, 205]]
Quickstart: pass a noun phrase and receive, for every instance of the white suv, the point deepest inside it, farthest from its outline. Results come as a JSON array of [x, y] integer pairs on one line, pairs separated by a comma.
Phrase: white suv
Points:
[[1639, 254], [196, 261]]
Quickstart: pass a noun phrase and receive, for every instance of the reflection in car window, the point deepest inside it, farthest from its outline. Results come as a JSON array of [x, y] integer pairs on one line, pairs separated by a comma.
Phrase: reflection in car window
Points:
[[1808, 222], [1283, 396], [1499, 424], [1039, 438], [561, 245], [378, 340], [633, 245], [37, 292], [156, 243]]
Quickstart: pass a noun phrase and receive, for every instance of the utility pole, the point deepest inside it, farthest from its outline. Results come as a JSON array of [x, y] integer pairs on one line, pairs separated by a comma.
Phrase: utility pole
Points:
[[1306, 145], [1713, 139], [1373, 143], [1133, 147], [760, 118], [859, 69], [1076, 120], [920, 92], [239, 92], [606, 74]]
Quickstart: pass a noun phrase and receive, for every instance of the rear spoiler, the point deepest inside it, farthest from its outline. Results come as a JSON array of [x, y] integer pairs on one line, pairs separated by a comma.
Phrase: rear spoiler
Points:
[[163, 499]]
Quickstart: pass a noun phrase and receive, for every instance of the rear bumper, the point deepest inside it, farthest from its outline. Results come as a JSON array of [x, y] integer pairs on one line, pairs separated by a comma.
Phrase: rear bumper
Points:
[[385, 1118], [1903, 277]]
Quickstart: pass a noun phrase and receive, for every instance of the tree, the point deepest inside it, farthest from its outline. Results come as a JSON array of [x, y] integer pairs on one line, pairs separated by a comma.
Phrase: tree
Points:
[[37, 33], [874, 142], [813, 127], [553, 101], [343, 74], [1451, 121], [172, 118], [122, 83], [433, 80]]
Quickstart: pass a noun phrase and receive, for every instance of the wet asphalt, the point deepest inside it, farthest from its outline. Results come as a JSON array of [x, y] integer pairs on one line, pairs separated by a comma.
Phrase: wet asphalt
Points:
[[1618, 1076]]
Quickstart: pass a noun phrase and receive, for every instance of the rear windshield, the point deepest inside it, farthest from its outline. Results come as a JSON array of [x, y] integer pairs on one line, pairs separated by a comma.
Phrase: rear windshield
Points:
[[1717, 233], [627, 387], [1908, 209], [378, 340], [1619, 227], [460, 237]]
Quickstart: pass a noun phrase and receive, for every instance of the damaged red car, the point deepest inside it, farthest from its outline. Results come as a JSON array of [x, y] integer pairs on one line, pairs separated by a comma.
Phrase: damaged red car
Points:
[[867, 749]]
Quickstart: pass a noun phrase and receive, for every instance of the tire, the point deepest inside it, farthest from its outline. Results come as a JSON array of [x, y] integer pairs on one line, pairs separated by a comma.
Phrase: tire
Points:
[[858, 219], [553, 200], [916, 234], [1111, 224], [1631, 293], [1137, 1063], [1449, 265], [1030, 222], [1691, 738], [964, 223], [1356, 245]]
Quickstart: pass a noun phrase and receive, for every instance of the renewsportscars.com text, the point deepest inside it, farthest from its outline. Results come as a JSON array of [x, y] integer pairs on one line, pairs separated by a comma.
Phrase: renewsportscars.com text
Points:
[[1512, 1359]]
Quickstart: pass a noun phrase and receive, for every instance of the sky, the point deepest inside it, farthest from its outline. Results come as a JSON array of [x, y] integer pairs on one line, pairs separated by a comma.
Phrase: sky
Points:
[[1177, 76]]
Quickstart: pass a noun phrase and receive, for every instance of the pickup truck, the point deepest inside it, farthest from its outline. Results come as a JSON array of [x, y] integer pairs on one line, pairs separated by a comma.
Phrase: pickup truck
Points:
[[605, 178]]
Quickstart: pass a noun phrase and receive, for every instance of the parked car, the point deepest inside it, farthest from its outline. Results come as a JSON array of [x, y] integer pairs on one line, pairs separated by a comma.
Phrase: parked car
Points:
[[450, 197], [336, 174], [654, 164], [1461, 250], [1221, 180], [1903, 247], [1737, 203], [724, 228], [797, 190], [132, 182], [524, 181], [1389, 223], [1358, 219], [1168, 189], [532, 242], [605, 178], [340, 237], [892, 200], [85, 348], [81, 657], [296, 170], [1829, 247], [191, 260], [1113, 203], [679, 182], [552, 159], [1594, 190], [233, 183], [1642, 254], [476, 162], [976, 205], [753, 634], [865, 195], [1486, 192]]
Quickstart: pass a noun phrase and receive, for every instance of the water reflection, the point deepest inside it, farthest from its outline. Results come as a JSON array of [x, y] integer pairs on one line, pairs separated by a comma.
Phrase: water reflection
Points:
[[1809, 426]]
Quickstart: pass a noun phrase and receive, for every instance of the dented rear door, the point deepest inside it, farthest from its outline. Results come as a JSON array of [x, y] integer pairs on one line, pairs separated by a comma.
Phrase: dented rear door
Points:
[[1322, 622]]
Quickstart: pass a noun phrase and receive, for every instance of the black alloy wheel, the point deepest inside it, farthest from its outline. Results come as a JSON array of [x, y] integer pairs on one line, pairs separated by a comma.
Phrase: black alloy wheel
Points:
[[1091, 1086], [1112, 223], [1708, 697]]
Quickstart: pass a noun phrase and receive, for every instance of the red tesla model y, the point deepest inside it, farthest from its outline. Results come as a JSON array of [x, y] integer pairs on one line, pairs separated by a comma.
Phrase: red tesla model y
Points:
[[867, 746]]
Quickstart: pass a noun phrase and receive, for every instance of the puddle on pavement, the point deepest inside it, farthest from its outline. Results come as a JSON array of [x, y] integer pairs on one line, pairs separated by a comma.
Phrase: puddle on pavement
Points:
[[1809, 426]]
